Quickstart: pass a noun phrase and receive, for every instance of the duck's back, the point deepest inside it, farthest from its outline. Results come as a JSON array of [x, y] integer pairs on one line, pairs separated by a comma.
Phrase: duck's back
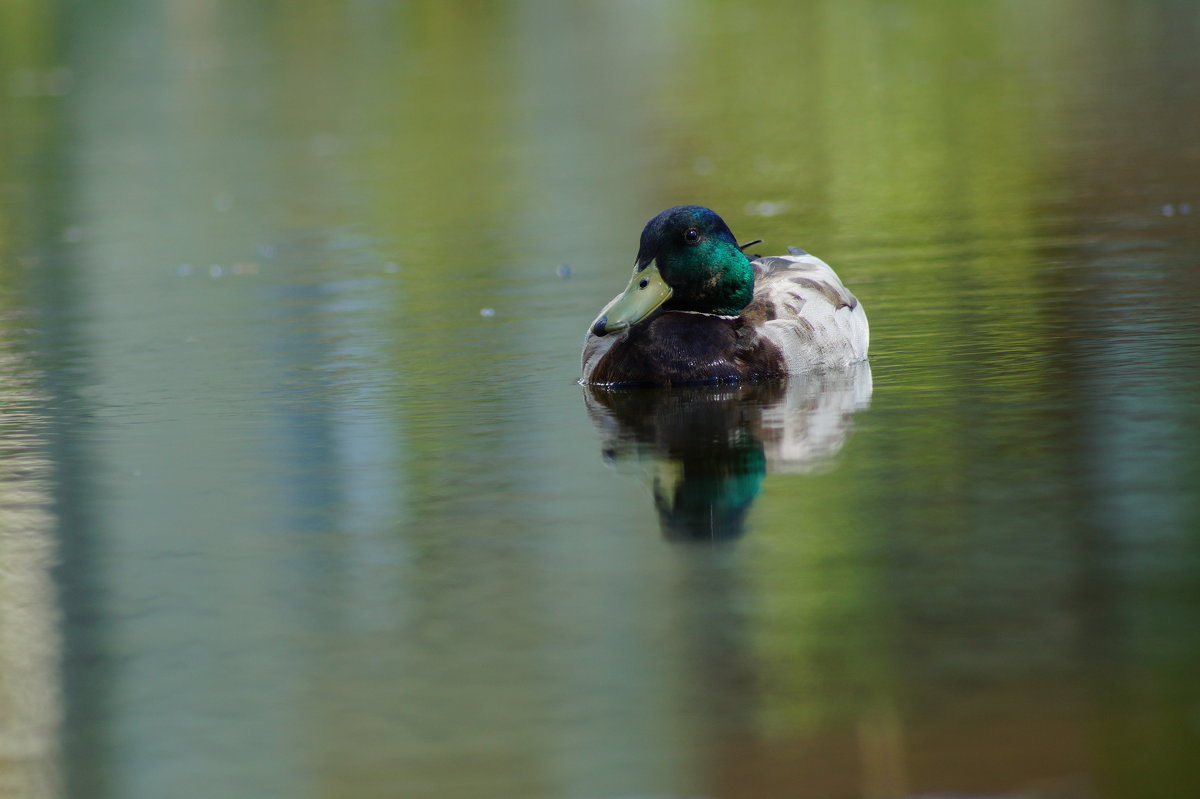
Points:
[[802, 307]]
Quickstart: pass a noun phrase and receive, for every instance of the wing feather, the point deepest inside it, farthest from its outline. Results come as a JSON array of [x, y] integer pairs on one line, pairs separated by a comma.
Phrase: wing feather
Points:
[[808, 313]]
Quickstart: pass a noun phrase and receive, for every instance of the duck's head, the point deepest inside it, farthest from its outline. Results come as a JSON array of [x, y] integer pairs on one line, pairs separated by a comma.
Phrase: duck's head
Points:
[[688, 261]]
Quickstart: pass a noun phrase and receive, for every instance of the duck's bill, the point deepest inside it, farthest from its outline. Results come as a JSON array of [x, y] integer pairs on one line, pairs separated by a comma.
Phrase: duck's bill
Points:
[[646, 291]]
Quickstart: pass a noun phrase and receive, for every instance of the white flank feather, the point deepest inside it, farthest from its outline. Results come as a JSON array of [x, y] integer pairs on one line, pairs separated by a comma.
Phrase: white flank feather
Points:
[[818, 322]]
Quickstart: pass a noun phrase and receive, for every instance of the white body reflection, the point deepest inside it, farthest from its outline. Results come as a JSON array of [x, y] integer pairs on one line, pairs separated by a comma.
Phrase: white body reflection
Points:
[[707, 449]]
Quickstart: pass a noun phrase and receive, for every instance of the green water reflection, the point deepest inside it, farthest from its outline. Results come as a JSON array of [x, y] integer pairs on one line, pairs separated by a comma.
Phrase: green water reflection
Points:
[[299, 496]]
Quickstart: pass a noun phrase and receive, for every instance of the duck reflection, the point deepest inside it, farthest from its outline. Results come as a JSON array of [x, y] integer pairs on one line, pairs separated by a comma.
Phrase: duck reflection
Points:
[[708, 448]]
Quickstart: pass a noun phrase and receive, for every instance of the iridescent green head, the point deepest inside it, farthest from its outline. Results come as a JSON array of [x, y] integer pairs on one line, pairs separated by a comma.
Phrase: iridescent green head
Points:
[[688, 261]]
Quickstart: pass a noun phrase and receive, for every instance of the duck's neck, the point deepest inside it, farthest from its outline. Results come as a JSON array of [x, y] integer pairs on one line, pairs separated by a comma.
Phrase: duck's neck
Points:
[[722, 286]]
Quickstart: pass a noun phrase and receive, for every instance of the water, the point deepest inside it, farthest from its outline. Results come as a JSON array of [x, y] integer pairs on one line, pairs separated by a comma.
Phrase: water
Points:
[[299, 496]]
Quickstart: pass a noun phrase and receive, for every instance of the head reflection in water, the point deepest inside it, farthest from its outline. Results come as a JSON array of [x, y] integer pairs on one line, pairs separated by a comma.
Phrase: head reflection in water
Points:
[[707, 449], [707, 496]]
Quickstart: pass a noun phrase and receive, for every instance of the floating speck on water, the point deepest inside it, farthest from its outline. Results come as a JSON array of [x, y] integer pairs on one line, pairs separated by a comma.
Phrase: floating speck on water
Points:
[[391, 268], [266, 251], [1168, 210], [216, 271], [766, 208], [487, 312], [564, 271], [703, 165], [183, 270], [323, 144], [73, 235], [222, 202], [1185, 208]]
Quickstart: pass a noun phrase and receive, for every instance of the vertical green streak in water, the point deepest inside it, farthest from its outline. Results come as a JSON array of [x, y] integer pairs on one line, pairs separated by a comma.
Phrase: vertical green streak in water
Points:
[[30, 78], [35, 694], [916, 163], [31, 651], [433, 87], [442, 107]]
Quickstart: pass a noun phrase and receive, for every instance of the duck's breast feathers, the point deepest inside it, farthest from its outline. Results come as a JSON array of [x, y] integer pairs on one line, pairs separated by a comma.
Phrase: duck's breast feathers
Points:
[[595, 348], [676, 348], [802, 306]]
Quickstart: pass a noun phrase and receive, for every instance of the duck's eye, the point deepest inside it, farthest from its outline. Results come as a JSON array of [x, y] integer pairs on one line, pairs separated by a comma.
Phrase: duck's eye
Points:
[[691, 235], [643, 283]]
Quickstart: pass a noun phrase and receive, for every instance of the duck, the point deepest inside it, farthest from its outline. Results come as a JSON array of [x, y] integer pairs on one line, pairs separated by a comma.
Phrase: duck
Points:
[[699, 310]]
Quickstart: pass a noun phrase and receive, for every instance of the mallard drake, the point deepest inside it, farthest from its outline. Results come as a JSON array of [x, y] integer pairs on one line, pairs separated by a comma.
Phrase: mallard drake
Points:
[[699, 310]]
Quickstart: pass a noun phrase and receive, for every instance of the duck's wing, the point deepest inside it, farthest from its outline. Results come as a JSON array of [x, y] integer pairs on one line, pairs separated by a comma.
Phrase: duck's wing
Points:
[[802, 306]]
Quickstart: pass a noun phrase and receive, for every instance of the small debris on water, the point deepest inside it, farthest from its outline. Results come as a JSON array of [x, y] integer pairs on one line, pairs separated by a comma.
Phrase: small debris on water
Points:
[[183, 270], [766, 208], [1168, 210], [324, 144], [487, 312], [564, 271], [216, 271], [1185, 208]]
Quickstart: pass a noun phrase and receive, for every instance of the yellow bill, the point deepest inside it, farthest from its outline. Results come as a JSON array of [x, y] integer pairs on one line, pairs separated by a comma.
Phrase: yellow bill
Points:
[[646, 291]]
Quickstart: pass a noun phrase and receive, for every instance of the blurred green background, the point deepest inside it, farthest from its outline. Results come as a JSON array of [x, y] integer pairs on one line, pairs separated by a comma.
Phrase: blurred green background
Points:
[[299, 497]]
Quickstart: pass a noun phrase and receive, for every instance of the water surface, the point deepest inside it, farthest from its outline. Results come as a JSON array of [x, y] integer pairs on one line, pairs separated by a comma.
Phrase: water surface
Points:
[[299, 495]]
